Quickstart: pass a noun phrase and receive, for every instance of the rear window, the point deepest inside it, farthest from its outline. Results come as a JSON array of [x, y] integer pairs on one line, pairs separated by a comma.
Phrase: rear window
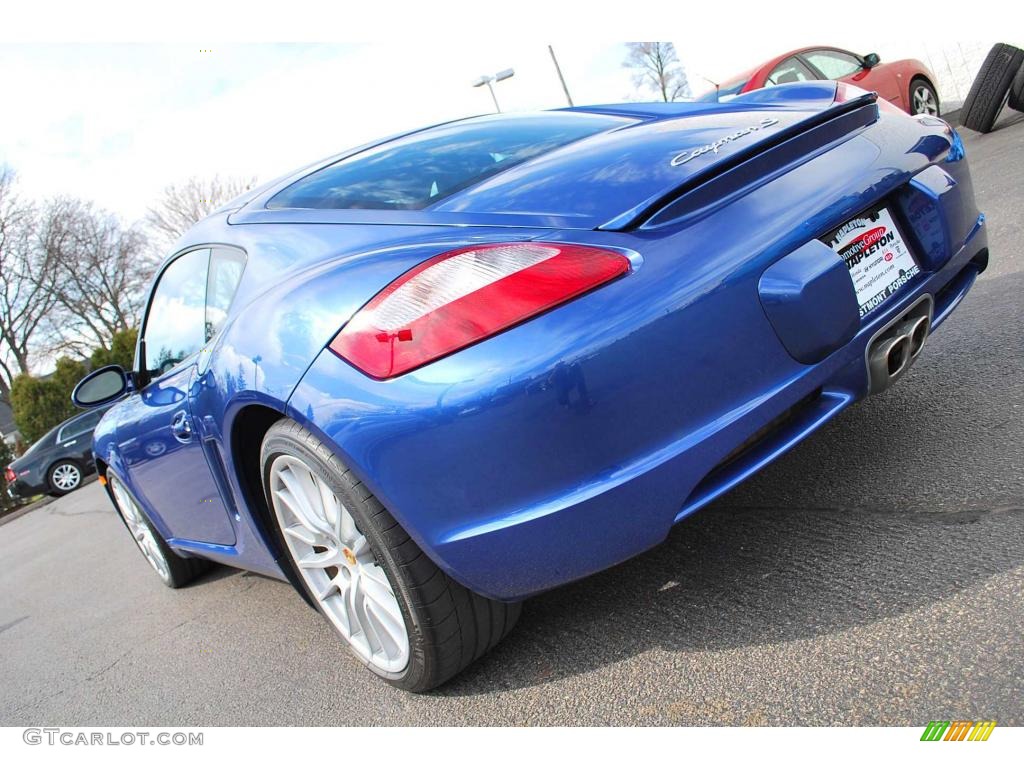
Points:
[[43, 442], [416, 171]]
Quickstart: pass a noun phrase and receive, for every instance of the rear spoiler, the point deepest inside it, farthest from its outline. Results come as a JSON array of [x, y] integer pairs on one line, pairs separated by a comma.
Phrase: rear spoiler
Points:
[[738, 173]]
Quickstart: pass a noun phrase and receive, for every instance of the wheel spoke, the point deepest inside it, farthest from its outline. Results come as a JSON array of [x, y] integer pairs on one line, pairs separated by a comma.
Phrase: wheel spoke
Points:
[[303, 534], [389, 633], [331, 507], [320, 559], [314, 498], [352, 605], [298, 505], [344, 586], [347, 531], [380, 595], [327, 589], [336, 561], [360, 547], [370, 629]]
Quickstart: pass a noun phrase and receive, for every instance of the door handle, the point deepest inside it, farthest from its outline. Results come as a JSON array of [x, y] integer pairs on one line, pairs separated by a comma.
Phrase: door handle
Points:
[[181, 427]]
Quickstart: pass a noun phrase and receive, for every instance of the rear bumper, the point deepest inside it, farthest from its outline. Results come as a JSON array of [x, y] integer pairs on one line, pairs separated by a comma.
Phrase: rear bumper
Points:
[[625, 510], [19, 489]]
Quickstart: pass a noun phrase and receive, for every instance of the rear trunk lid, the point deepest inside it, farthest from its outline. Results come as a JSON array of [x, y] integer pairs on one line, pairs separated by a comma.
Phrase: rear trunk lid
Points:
[[618, 179]]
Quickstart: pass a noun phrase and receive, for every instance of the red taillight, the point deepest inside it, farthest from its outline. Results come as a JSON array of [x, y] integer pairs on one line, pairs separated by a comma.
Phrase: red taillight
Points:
[[9, 475], [463, 296]]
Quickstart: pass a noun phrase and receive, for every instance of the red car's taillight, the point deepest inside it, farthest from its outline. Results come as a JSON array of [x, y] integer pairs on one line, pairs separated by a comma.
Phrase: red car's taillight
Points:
[[463, 296], [9, 475]]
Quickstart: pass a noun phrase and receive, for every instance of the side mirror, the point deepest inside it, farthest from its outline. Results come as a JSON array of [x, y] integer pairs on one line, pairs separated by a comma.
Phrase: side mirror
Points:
[[101, 386], [871, 60]]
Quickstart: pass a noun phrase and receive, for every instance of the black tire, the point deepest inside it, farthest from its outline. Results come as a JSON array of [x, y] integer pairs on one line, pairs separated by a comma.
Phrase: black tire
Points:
[[1016, 99], [920, 82], [448, 626], [52, 471], [180, 570], [988, 93]]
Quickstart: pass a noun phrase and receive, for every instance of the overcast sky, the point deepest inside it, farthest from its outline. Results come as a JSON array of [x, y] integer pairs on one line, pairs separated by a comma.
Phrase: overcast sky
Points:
[[117, 122]]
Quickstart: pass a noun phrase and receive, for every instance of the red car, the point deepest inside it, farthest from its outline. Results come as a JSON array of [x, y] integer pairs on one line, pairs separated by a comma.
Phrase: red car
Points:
[[907, 83]]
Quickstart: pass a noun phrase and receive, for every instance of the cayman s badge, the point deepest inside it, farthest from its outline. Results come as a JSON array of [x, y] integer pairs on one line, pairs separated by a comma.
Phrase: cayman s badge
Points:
[[688, 154]]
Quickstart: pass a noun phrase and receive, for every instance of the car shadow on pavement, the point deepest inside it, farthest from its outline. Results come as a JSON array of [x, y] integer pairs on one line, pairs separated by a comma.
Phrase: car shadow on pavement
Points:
[[886, 510], [216, 573]]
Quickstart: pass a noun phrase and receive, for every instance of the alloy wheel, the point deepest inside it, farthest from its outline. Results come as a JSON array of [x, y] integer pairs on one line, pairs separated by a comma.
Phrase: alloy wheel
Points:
[[139, 528], [924, 102], [66, 477], [335, 561]]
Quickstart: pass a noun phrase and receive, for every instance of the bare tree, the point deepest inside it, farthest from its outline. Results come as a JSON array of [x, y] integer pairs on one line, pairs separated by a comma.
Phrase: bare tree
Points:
[[96, 269], [26, 303], [182, 205], [656, 66]]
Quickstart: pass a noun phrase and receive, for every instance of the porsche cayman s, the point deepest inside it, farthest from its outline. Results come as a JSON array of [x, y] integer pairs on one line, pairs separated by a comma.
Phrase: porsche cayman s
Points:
[[432, 376]]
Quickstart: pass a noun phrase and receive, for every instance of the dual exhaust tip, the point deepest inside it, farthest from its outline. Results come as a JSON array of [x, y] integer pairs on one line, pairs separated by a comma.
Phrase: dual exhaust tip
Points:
[[895, 347]]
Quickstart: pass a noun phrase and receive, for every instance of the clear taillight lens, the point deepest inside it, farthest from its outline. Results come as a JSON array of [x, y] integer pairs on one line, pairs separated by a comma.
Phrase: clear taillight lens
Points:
[[464, 296]]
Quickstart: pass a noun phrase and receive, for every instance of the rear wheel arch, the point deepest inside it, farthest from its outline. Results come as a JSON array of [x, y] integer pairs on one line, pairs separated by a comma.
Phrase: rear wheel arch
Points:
[[248, 429]]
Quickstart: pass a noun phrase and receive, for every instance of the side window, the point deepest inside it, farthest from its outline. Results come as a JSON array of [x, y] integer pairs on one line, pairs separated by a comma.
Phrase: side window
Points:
[[226, 265], [833, 64], [789, 71], [175, 325], [85, 423]]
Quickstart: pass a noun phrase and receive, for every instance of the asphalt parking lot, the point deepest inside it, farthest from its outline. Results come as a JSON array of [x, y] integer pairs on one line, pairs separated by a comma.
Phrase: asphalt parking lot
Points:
[[873, 576]]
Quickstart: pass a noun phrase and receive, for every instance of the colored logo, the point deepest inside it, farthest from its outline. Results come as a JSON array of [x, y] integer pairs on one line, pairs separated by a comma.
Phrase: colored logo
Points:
[[888, 256], [870, 237], [958, 730]]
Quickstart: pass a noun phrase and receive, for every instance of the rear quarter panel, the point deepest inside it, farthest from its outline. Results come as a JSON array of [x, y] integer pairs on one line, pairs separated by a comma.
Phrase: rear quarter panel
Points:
[[516, 463]]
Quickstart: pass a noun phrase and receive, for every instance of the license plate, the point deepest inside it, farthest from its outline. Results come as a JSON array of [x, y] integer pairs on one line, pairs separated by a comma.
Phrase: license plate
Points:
[[879, 261]]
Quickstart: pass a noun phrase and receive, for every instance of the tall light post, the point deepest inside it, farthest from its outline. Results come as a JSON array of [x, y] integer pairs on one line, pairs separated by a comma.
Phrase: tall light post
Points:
[[488, 80], [708, 79], [561, 79]]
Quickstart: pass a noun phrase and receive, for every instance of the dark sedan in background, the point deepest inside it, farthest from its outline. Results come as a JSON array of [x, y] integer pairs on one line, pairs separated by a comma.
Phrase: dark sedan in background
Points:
[[58, 462]]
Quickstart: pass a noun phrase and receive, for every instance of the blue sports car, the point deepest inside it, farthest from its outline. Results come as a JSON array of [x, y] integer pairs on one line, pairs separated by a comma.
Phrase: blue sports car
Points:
[[434, 375]]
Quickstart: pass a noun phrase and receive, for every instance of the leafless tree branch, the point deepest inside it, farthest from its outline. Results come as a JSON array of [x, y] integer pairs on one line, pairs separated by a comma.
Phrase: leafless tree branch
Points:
[[96, 269], [26, 302], [182, 205], [656, 66]]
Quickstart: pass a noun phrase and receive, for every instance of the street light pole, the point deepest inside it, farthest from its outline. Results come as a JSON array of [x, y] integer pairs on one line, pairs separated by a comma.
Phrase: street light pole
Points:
[[488, 80], [490, 87], [708, 79], [561, 79]]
